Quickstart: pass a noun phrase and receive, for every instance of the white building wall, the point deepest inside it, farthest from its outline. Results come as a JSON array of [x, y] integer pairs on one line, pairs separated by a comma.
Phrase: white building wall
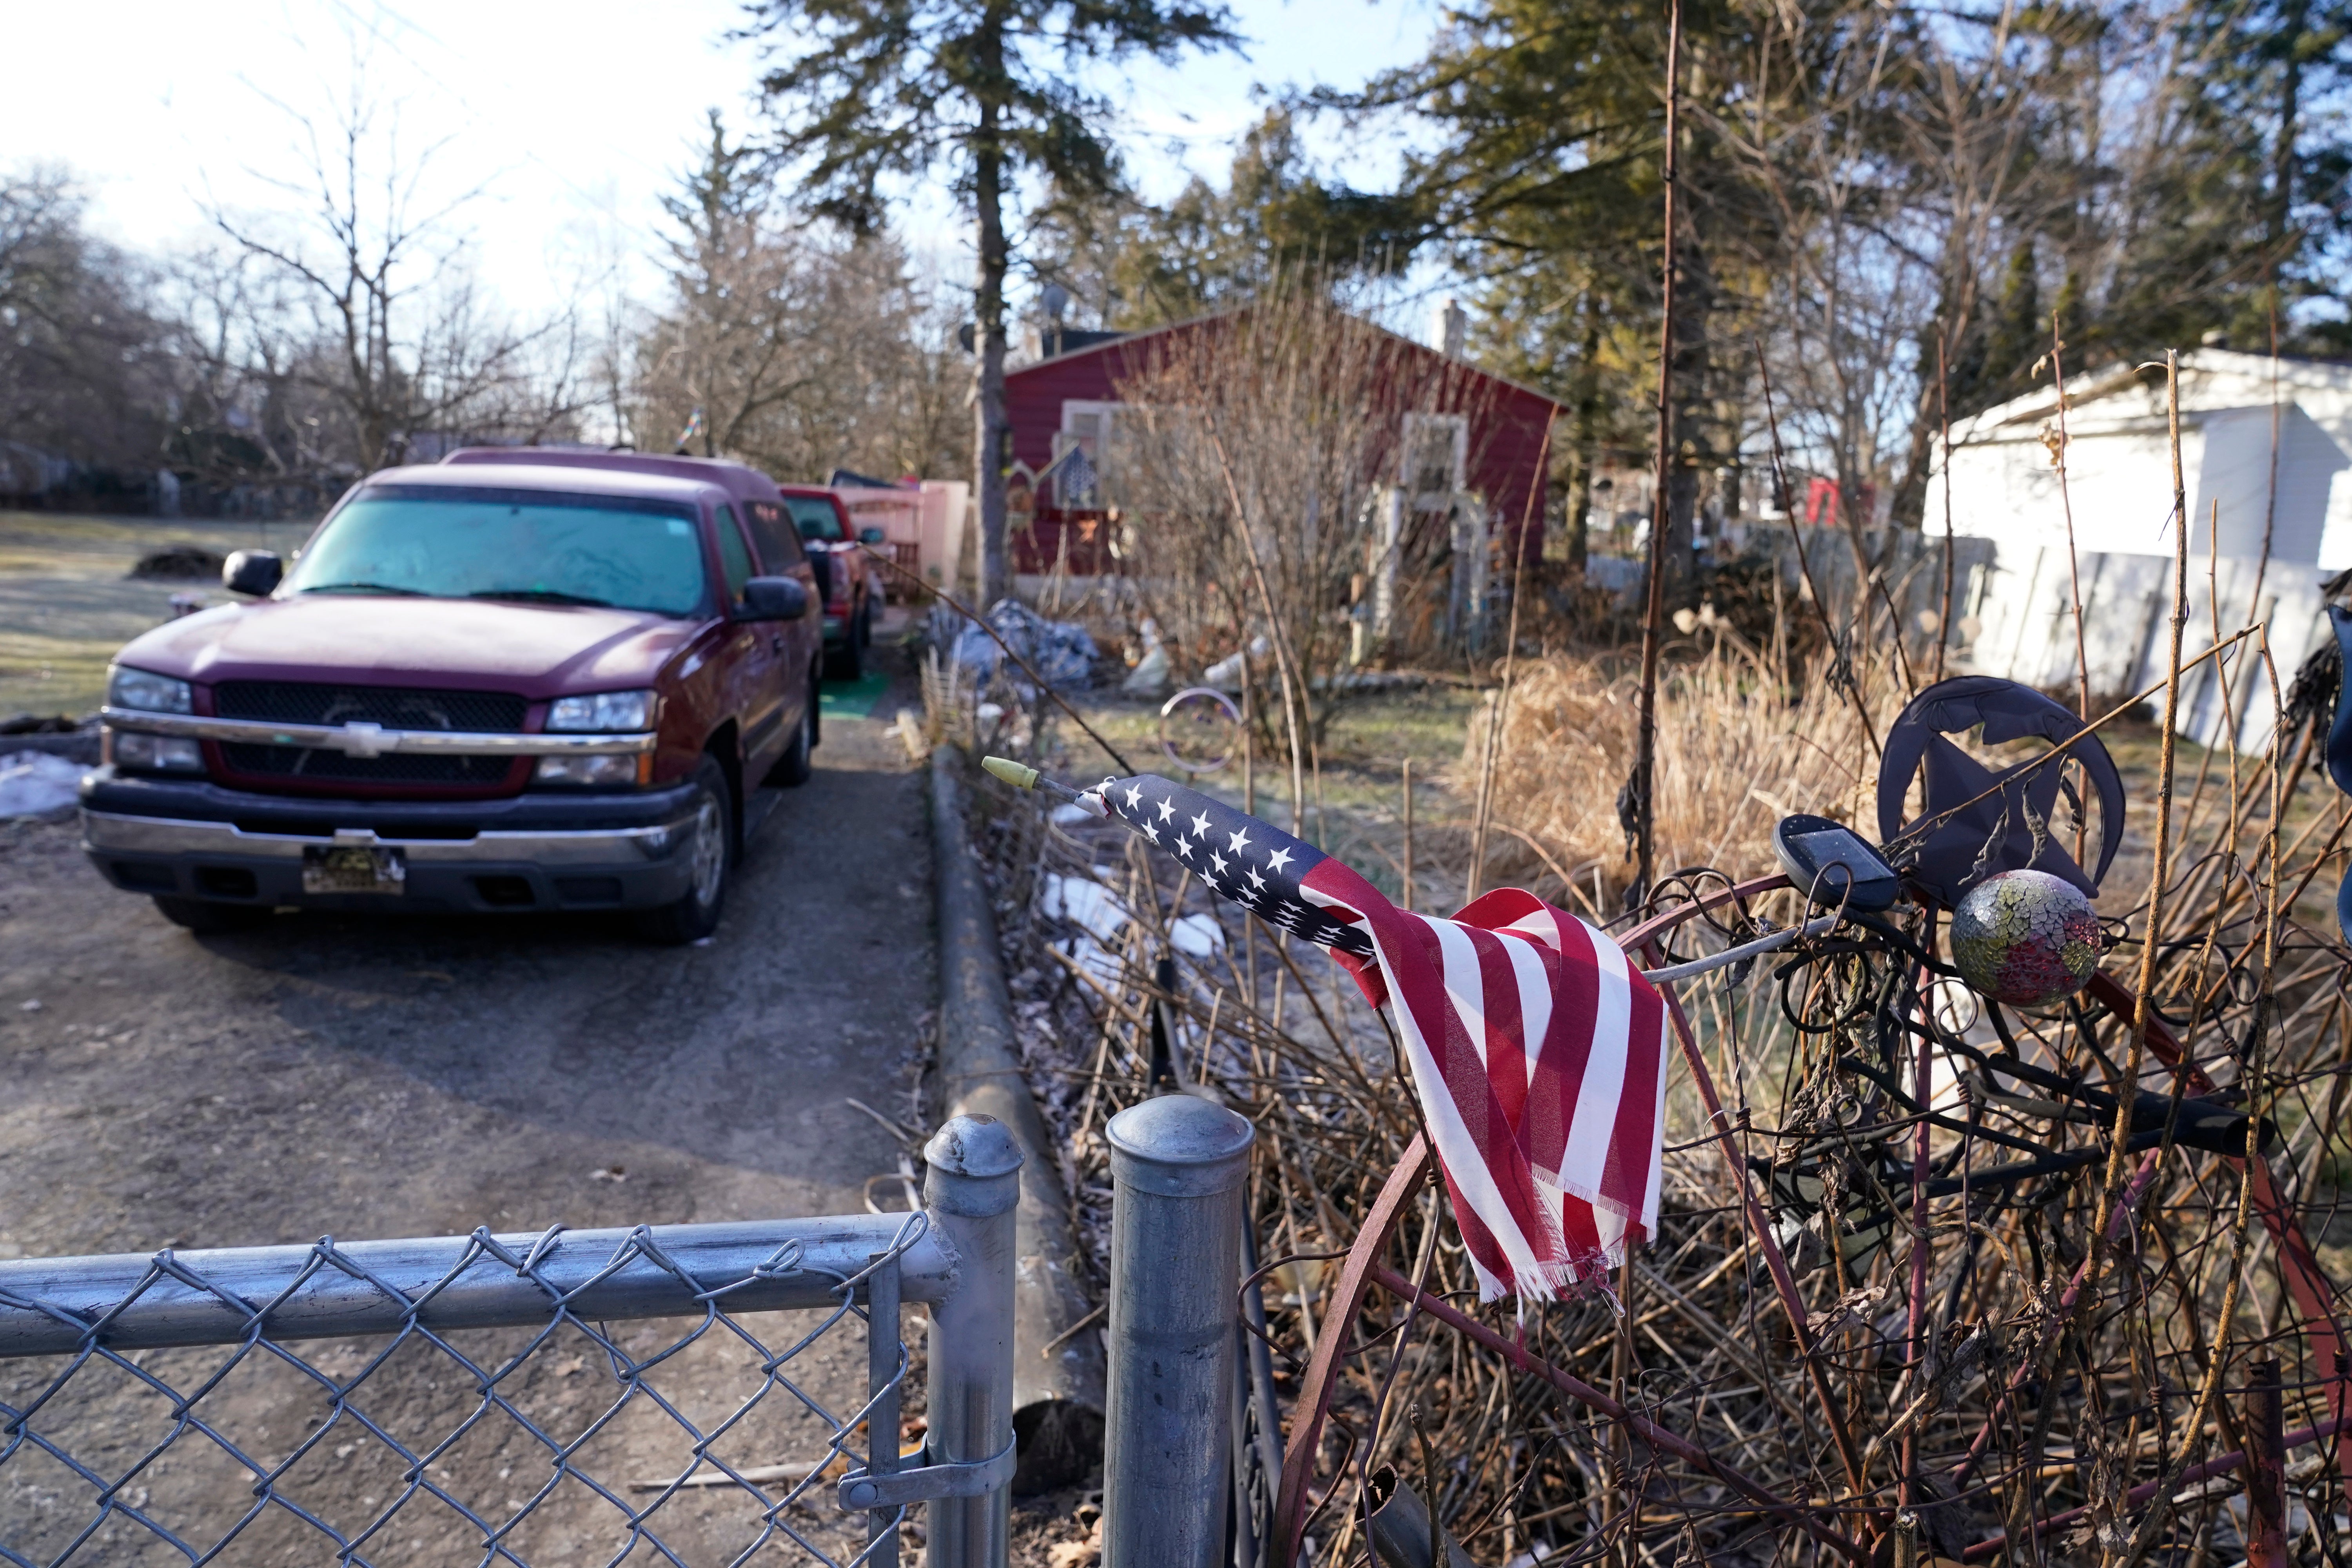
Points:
[[2118, 482]]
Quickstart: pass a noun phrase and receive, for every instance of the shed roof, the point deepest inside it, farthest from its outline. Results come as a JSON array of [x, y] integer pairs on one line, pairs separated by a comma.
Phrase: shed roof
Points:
[[1128, 340], [2121, 397]]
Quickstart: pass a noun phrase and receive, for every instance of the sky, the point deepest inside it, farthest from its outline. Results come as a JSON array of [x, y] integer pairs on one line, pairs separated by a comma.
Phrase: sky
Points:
[[561, 125]]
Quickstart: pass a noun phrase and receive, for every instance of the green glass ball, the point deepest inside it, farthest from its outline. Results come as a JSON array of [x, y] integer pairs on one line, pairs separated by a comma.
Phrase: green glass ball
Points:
[[2025, 938]]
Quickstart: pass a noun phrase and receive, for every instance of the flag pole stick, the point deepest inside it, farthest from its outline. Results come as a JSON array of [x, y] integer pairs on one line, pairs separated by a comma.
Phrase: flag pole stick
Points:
[[1645, 813]]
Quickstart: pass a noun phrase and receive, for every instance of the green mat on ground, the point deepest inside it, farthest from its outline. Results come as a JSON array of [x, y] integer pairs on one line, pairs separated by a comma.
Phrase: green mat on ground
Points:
[[853, 699]]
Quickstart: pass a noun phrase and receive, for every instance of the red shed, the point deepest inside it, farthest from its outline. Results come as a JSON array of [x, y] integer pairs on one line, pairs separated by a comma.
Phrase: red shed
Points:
[[1495, 427]]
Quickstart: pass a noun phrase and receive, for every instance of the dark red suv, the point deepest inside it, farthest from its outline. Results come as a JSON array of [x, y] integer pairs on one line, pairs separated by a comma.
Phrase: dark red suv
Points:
[[516, 680]]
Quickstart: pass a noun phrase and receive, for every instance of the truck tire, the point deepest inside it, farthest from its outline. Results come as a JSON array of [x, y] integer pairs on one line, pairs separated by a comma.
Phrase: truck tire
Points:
[[710, 854], [794, 767], [849, 663], [205, 917]]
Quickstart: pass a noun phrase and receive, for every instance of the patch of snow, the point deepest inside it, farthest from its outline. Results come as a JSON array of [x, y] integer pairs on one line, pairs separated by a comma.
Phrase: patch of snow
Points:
[[1083, 904], [34, 783], [1095, 958], [1225, 674], [1198, 935], [1151, 676]]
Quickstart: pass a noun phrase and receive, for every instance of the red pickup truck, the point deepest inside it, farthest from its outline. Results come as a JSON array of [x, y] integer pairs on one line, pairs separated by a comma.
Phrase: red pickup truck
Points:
[[515, 679], [847, 577]]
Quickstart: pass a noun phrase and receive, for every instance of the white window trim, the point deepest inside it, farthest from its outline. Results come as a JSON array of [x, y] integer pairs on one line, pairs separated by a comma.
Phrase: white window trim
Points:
[[1106, 414], [1457, 427]]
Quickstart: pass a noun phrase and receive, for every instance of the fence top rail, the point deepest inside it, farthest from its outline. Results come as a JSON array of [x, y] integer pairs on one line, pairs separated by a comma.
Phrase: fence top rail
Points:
[[54, 1306]]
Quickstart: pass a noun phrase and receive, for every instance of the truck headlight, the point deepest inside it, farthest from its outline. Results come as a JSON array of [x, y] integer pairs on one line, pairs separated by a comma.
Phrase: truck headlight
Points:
[[127, 687], [607, 771], [164, 754], [622, 712]]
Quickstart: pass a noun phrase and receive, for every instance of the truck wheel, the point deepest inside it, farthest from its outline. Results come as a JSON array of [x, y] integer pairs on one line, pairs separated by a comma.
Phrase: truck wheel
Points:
[[205, 917], [793, 768], [710, 833]]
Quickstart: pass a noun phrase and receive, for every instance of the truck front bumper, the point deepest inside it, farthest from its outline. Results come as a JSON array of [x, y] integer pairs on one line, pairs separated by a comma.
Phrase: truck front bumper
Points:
[[592, 849]]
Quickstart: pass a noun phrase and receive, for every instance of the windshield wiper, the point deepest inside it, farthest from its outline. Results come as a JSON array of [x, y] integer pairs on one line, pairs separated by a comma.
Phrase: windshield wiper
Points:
[[365, 588], [541, 597]]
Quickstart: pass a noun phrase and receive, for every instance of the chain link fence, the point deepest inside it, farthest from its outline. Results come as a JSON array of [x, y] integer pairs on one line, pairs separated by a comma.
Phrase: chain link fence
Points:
[[687, 1395]]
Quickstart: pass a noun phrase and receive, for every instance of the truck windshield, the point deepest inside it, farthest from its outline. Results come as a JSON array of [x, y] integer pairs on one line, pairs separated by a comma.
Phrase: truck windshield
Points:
[[524, 545]]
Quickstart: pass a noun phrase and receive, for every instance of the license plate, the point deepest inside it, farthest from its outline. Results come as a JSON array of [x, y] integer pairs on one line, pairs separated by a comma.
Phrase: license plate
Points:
[[352, 869]]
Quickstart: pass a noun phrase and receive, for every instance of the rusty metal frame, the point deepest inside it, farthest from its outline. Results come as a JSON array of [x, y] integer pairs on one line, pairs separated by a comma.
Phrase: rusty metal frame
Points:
[[2307, 1285]]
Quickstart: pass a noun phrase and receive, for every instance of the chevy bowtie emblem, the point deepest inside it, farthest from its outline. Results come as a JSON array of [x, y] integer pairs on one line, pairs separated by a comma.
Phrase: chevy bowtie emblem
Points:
[[360, 738]]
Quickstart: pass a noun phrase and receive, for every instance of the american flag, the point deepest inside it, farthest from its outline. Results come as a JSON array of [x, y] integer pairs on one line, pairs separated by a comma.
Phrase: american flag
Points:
[[1075, 481], [1536, 1050]]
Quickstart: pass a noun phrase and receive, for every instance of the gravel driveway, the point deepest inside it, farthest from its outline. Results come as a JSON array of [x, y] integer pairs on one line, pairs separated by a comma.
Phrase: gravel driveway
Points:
[[424, 1076]]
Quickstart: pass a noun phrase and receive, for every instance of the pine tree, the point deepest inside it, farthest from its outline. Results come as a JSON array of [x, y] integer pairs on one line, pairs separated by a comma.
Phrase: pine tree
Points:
[[865, 93], [1133, 267], [1545, 184]]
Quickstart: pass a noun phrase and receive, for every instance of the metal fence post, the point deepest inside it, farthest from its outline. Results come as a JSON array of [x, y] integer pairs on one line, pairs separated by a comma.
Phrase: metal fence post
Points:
[[1177, 1167], [971, 1190], [883, 1347]]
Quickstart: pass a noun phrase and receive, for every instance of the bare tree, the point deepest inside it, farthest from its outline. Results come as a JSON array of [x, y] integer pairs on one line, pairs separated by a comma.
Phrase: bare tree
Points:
[[793, 344], [401, 344], [1266, 448], [85, 371]]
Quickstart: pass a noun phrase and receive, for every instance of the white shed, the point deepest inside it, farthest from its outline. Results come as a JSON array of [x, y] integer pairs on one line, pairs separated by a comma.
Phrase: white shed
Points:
[[2265, 450]]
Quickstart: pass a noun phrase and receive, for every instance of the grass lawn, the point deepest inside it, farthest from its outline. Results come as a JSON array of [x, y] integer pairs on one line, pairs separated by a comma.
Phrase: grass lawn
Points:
[[67, 601], [1355, 808]]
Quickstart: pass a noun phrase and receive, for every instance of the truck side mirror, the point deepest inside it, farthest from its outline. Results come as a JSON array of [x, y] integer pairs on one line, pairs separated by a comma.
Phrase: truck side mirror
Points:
[[773, 599], [253, 573], [869, 536]]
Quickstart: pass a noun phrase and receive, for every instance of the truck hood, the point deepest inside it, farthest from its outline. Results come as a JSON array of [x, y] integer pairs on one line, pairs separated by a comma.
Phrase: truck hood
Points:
[[536, 650]]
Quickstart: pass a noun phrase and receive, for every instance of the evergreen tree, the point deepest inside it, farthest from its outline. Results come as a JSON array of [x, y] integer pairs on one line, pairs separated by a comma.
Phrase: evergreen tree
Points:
[[1133, 267], [2262, 198], [1546, 186], [2020, 335], [866, 93]]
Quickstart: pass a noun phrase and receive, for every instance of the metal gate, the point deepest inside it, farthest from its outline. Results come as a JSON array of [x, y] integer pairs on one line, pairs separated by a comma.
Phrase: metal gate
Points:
[[555, 1397]]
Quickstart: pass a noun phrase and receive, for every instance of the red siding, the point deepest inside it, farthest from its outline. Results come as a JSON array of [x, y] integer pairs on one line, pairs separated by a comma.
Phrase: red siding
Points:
[[1506, 433]]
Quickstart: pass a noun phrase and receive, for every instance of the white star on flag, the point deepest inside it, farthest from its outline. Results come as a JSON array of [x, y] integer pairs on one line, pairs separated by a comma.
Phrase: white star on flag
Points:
[[1241, 840], [1277, 860]]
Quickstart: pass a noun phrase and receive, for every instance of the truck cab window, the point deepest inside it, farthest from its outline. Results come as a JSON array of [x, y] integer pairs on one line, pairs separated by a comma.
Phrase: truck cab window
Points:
[[734, 557], [780, 545], [815, 519]]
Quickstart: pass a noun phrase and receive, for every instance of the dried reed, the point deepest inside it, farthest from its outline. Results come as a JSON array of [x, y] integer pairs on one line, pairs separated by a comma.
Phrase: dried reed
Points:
[[1946, 1373], [1737, 750]]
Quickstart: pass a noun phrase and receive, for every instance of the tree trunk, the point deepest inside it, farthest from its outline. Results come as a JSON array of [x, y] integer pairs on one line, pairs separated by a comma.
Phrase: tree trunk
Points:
[[991, 429], [2283, 151], [1582, 457], [1693, 437], [1954, 320]]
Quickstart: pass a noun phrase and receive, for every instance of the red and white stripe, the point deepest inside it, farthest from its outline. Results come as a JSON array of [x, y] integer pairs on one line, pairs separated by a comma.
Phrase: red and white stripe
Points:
[[1540, 1056]]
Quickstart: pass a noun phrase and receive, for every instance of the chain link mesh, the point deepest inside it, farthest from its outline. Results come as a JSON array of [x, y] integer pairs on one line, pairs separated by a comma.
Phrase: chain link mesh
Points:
[[682, 1440]]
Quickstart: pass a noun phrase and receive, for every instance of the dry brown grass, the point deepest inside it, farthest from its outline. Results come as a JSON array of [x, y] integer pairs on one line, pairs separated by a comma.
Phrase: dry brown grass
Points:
[[1274, 1030], [1739, 748]]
